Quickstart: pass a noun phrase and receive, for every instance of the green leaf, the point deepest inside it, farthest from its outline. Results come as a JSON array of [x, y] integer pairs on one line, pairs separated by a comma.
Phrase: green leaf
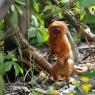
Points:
[[20, 69], [39, 38], [36, 6], [86, 3], [16, 67], [90, 19], [32, 32], [11, 56], [2, 26], [19, 9], [20, 2], [48, 7], [82, 14], [41, 21], [7, 66], [43, 32], [1, 58], [14, 16], [88, 74], [56, 11], [1, 63], [34, 21]]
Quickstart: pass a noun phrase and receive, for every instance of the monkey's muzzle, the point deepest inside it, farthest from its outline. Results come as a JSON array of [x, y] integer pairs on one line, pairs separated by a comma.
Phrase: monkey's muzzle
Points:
[[56, 29]]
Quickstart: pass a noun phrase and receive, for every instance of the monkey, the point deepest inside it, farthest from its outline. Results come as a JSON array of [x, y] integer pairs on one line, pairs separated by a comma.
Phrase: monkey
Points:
[[60, 45]]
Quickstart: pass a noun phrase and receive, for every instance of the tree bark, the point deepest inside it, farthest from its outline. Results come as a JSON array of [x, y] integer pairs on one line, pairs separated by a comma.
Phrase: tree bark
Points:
[[4, 6]]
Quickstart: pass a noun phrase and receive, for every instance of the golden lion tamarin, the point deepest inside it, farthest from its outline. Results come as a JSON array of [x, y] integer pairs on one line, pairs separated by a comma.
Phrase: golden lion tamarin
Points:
[[60, 45]]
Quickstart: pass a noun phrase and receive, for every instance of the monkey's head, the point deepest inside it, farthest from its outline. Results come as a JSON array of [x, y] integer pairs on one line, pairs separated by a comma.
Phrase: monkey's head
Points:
[[57, 29]]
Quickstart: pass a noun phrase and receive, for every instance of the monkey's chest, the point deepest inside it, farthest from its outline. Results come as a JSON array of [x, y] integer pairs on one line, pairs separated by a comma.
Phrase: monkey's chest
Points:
[[58, 47]]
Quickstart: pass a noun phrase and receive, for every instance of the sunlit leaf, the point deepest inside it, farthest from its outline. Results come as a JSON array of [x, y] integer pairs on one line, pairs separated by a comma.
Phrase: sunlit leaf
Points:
[[36, 6], [82, 14], [18, 69], [34, 21], [44, 33], [41, 21]]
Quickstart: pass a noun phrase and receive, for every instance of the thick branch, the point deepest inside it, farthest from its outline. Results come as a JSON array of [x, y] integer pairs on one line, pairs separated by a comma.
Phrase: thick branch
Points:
[[38, 58], [74, 47], [80, 26]]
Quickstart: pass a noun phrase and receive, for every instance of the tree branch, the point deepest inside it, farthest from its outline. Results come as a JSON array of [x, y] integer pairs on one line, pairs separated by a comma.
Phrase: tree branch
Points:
[[80, 26]]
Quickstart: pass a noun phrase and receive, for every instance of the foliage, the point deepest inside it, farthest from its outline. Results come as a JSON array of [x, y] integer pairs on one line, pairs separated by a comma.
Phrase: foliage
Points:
[[37, 33], [1, 73], [7, 61], [11, 60]]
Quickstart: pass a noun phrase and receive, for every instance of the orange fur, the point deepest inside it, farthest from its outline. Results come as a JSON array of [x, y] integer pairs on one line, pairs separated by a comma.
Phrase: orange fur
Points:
[[60, 45]]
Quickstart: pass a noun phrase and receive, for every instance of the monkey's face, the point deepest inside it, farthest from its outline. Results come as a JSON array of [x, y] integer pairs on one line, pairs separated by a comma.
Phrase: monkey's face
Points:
[[56, 29]]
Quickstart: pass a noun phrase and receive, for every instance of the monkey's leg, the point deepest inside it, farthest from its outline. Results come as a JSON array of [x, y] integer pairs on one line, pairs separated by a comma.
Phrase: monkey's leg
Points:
[[68, 67], [55, 71]]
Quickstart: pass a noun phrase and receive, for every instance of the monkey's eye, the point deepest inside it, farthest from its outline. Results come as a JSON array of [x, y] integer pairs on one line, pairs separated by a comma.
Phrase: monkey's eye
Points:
[[57, 29]]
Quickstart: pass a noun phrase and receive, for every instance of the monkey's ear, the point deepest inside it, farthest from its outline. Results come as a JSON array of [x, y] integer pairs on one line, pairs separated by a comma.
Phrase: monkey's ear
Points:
[[48, 21], [66, 28]]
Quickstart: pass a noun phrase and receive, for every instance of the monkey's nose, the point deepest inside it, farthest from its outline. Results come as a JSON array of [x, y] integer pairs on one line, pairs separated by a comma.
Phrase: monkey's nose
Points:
[[57, 29]]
